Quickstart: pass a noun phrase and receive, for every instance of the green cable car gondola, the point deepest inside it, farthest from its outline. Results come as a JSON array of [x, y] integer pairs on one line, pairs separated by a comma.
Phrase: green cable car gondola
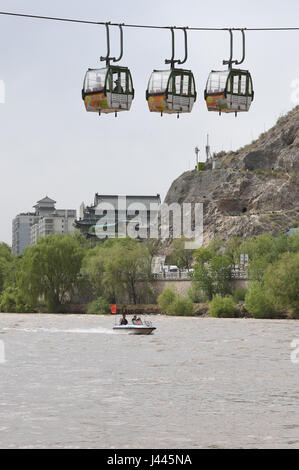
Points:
[[230, 91], [172, 91], [109, 89]]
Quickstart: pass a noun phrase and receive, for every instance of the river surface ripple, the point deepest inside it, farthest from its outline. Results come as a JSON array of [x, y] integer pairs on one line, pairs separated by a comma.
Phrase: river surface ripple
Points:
[[70, 382]]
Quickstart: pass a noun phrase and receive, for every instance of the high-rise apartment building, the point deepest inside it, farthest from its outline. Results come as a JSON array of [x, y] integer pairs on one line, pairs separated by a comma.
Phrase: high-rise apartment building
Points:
[[27, 228]]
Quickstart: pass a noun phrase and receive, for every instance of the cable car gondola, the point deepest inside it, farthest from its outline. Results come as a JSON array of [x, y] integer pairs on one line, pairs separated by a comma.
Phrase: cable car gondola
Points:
[[172, 91], [230, 91], [109, 89]]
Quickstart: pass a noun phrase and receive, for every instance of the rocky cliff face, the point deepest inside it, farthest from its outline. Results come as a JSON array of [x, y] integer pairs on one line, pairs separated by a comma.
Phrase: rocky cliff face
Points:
[[254, 190]]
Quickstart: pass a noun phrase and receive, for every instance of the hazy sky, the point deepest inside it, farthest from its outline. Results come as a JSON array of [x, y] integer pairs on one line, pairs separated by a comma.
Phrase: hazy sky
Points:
[[51, 145]]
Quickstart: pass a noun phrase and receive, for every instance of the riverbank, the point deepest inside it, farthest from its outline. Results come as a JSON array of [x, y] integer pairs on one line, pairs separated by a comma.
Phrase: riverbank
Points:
[[200, 310]]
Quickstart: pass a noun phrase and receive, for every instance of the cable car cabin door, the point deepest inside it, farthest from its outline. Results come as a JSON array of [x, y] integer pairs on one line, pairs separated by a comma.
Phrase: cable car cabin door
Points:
[[181, 92], [239, 91], [119, 90]]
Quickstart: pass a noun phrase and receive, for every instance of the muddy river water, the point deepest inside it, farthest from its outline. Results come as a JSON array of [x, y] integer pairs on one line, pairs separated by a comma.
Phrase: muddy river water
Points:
[[69, 381]]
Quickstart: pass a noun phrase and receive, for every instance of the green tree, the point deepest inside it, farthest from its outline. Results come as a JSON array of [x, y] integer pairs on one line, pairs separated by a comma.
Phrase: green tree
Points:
[[6, 264], [181, 306], [153, 246], [5, 251], [203, 255], [203, 281], [172, 303], [99, 306], [263, 250], [179, 255], [85, 243], [115, 268], [212, 272], [12, 301], [222, 307], [282, 281], [128, 263], [166, 298], [259, 302], [93, 267], [50, 270], [216, 245], [3, 268], [239, 294], [233, 249], [195, 294], [294, 242]]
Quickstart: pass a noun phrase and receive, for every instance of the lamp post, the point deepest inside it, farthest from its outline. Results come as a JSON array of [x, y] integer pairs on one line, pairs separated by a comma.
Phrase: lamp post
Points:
[[196, 153]]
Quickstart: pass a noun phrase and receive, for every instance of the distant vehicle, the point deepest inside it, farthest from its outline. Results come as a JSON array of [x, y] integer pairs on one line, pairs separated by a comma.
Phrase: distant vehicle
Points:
[[173, 269], [170, 269]]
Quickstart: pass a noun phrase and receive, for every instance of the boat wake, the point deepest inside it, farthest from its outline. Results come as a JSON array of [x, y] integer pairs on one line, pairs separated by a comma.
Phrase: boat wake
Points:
[[98, 330]]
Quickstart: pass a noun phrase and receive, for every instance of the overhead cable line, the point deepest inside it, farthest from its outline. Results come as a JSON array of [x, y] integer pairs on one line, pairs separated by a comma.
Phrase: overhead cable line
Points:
[[190, 28]]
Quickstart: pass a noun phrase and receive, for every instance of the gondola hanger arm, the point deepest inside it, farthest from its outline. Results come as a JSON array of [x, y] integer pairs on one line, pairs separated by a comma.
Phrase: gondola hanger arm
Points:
[[186, 47], [230, 62], [121, 44], [174, 61], [107, 58], [244, 45]]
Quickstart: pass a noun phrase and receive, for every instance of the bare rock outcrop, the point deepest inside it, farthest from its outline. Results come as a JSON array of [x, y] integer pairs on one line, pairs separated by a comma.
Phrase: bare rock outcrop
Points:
[[254, 190]]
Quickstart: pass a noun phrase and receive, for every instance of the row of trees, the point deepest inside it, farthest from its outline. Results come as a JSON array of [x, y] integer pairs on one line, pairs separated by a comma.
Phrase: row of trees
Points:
[[59, 265]]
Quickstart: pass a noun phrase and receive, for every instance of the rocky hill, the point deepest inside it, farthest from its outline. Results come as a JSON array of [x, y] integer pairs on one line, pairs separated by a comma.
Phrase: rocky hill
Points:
[[253, 190]]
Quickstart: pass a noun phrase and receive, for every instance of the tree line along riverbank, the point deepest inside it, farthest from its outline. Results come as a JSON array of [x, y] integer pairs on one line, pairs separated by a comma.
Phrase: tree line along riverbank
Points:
[[60, 268]]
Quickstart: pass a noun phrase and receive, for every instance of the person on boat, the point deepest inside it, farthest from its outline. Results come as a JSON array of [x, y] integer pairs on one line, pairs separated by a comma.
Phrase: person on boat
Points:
[[134, 319], [124, 321], [138, 321]]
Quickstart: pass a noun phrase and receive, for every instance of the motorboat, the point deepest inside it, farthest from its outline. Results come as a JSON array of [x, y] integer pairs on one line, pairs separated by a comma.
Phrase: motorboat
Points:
[[135, 329], [145, 328]]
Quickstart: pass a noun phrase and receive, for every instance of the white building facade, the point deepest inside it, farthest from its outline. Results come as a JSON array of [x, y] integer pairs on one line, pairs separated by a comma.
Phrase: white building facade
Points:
[[46, 220]]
